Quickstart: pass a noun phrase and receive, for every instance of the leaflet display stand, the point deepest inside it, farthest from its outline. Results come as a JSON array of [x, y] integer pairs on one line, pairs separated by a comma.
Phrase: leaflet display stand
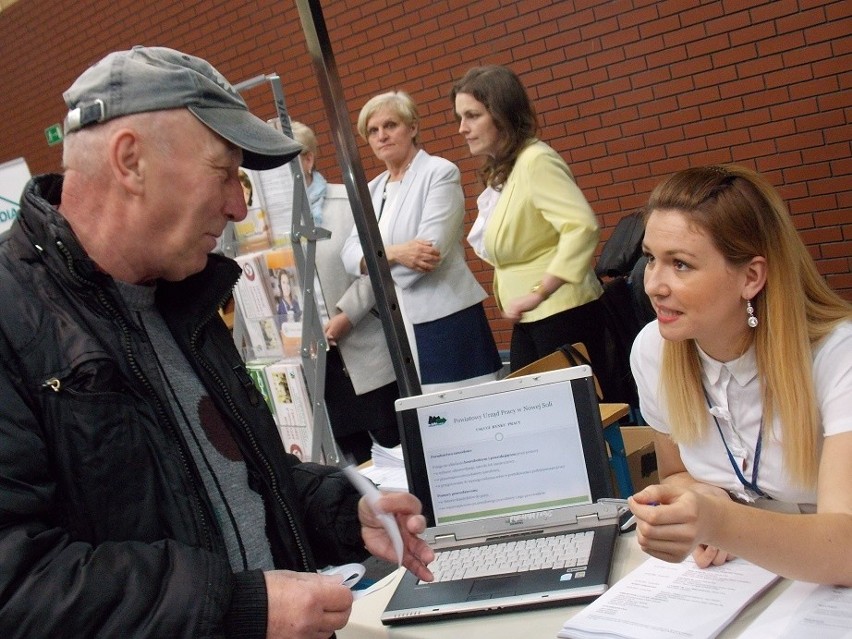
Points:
[[303, 235]]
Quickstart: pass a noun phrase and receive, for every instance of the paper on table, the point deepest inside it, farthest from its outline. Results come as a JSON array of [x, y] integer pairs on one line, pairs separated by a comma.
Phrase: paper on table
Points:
[[660, 599], [388, 469], [392, 479], [805, 610], [387, 457]]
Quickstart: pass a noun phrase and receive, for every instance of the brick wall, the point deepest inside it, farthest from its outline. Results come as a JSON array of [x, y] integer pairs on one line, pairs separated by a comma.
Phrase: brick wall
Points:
[[627, 90]]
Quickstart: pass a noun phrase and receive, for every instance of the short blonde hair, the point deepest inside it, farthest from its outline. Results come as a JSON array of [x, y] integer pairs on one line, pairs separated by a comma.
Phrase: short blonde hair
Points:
[[304, 135], [397, 101]]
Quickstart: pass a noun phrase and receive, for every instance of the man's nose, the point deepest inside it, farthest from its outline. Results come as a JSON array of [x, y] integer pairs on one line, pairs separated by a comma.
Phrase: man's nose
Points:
[[235, 203]]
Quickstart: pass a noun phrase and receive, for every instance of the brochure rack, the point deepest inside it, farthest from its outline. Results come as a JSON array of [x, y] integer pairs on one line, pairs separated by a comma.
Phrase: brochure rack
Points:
[[303, 235]]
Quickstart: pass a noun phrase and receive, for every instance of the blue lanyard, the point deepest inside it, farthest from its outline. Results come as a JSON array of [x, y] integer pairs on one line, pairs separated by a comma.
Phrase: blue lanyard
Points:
[[751, 485]]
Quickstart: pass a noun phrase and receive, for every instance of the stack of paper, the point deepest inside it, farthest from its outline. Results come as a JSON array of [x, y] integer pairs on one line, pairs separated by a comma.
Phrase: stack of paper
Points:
[[388, 468], [805, 610], [661, 599], [387, 457]]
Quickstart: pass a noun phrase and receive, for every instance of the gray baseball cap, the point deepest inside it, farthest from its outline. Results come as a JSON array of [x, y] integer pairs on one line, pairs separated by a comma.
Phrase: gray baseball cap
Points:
[[157, 78]]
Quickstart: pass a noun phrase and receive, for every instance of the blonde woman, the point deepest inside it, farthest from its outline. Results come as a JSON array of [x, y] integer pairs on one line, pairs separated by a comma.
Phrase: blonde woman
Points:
[[419, 203], [746, 375]]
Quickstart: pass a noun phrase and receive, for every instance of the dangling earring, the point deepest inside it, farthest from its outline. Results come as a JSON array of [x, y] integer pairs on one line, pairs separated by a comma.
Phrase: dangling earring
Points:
[[752, 320]]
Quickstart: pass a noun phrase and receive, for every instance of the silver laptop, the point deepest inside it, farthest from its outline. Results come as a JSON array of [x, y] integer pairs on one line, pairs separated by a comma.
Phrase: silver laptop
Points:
[[500, 467]]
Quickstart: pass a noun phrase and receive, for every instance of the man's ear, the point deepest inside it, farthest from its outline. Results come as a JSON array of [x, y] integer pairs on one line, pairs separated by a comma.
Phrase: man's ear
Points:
[[755, 274], [126, 160]]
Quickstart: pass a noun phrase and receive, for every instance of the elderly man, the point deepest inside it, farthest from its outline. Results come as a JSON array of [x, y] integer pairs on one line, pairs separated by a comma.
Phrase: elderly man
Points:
[[144, 491]]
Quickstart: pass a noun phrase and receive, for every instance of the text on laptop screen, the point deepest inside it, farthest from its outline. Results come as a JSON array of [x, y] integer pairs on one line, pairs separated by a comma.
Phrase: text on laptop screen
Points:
[[513, 452]]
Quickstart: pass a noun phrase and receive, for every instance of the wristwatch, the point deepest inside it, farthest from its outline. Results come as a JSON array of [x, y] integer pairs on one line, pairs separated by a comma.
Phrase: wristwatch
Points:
[[539, 289]]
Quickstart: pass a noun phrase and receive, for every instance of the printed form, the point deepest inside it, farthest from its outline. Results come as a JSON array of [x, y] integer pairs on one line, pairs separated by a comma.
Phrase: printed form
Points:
[[805, 610], [662, 600]]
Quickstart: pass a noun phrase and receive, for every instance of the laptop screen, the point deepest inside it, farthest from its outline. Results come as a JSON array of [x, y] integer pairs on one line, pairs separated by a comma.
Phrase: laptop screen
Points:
[[503, 448]]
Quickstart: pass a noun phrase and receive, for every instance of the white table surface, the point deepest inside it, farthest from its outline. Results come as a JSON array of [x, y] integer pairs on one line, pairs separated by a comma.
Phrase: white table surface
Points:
[[542, 623]]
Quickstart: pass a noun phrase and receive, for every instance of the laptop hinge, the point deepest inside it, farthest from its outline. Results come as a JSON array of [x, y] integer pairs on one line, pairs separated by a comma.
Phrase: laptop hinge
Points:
[[588, 519], [444, 538]]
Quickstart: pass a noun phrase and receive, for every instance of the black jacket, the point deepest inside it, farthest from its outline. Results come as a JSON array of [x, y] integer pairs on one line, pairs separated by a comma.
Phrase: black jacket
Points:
[[105, 527]]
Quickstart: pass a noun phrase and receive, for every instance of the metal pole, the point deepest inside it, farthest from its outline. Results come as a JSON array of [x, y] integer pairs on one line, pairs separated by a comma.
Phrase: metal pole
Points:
[[319, 46]]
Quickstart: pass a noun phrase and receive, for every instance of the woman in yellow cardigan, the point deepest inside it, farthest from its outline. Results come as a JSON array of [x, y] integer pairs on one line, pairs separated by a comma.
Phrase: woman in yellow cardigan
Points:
[[534, 227]]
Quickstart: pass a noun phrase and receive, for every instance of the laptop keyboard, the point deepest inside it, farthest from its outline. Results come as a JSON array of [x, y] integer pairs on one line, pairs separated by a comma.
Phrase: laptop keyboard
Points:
[[556, 552]]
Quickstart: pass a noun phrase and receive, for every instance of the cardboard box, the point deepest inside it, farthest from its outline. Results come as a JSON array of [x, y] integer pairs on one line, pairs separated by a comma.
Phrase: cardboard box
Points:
[[641, 458]]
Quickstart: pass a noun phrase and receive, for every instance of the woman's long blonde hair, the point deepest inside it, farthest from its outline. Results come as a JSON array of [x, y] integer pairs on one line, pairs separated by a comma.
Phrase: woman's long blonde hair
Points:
[[746, 217]]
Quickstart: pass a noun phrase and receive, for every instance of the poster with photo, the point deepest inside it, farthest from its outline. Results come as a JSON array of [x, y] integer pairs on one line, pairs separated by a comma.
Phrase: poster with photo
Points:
[[252, 234], [287, 299]]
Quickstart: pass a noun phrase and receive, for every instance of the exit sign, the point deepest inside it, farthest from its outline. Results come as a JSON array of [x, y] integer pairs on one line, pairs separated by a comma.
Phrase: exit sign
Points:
[[53, 134]]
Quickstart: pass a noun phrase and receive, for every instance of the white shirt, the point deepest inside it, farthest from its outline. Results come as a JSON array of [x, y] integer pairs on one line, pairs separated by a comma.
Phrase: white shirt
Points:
[[734, 392], [485, 204]]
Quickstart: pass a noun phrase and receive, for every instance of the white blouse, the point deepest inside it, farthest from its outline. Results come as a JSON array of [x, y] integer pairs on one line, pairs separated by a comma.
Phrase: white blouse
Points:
[[733, 390], [485, 204]]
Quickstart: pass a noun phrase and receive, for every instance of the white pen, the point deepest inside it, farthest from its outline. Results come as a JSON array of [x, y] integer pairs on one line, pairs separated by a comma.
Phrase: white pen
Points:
[[372, 494], [632, 519]]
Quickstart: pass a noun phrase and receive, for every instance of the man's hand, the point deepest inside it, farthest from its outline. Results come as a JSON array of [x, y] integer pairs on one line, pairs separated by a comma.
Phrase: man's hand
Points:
[[304, 605], [418, 255], [405, 508]]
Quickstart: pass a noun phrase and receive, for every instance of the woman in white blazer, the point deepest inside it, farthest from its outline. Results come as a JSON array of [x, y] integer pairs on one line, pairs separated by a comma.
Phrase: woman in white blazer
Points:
[[420, 207]]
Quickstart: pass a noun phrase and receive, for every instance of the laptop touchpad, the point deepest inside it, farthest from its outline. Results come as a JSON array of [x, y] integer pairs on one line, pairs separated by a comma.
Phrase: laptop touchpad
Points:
[[493, 587]]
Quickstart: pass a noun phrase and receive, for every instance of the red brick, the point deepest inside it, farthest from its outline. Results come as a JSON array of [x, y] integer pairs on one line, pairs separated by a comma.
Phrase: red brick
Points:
[[800, 141], [708, 45], [778, 161], [655, 58], [742, 87], [684, 35], [821, 235], [773, 10], [721, 107], [788, 76], [824, 215], [826, 153], [753, 33], [820, 120], [832, 66], [781, 43], [728, 139], [735, 56], [665, 24], [673, 87], [701, 14], [794, 109], [753, 150], [762, 66], [667, 58], [839, 133]]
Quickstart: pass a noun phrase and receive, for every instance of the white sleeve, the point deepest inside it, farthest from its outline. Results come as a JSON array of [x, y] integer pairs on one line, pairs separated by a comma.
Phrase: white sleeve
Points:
[[833, 380], [645, 358]]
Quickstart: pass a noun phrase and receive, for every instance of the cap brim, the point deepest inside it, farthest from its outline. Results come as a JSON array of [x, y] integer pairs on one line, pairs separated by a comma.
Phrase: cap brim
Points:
[[263, 146]]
